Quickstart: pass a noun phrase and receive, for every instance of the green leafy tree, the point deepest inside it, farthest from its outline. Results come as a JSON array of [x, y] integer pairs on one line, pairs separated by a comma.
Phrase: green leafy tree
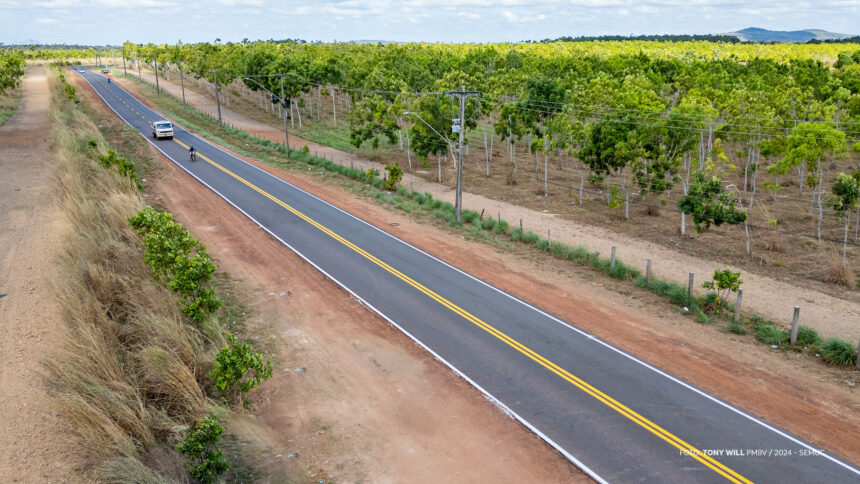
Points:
[[846, 192], [809, 144], [238, 368], [205, 462], [710, 203], [370, 119]]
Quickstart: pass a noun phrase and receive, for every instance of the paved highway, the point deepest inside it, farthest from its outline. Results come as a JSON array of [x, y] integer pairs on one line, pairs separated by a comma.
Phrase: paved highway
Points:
[[618, 418]]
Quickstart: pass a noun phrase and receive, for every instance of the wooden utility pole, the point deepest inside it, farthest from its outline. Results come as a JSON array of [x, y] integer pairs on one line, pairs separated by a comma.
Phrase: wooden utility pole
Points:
[[217, 99], [462, 95], [286, 133]]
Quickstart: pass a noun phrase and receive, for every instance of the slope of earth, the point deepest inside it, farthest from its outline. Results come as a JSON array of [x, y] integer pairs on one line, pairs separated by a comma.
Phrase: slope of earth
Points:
[[822, 308], [33, 446], [764, 383]]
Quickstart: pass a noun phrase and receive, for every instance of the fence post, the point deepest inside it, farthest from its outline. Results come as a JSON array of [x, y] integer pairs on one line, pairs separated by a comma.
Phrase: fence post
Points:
[[690, 287], [612, 259], [548, 240], [738, 305], [648, 271], [794, 321], [521, 225]]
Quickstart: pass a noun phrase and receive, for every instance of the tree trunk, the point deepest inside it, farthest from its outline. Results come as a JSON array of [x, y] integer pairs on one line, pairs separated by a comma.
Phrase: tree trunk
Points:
[[845, 239], [439, 169], [333, 107], [486, 152], [299, 114], [408, 151], [581, 187], [545, 176], [820, 209], [400, 136]]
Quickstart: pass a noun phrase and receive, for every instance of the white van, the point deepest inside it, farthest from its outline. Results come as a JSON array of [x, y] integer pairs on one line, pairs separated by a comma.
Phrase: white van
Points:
[[162, 129]]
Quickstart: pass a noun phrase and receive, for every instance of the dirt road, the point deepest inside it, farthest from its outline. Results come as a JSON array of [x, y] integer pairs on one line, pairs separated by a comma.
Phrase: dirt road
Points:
[[34, 446], [766, 296]]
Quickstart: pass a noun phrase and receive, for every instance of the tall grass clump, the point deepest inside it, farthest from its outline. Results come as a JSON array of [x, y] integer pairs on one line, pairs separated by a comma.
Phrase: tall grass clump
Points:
[[839, 352]]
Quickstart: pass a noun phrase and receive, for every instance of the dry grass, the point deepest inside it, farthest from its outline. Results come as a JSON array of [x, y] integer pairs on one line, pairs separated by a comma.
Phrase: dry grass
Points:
[[838, 273], [129, 375]]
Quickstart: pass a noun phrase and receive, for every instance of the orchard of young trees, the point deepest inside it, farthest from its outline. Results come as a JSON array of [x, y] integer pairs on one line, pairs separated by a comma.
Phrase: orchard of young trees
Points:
[[712, 127]]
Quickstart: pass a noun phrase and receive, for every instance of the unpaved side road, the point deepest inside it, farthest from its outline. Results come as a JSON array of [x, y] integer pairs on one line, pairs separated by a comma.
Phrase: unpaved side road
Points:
[[34, 446], [763, 295]]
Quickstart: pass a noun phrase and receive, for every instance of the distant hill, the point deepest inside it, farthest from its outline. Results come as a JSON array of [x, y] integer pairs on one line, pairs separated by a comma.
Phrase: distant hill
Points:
[[754, 34]]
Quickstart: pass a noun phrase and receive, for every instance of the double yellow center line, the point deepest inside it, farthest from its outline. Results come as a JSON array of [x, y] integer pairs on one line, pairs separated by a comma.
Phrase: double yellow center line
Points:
[[610, 402]]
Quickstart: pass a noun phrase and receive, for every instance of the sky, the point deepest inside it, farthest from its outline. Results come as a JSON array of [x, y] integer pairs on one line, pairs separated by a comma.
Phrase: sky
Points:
[[103, 22]]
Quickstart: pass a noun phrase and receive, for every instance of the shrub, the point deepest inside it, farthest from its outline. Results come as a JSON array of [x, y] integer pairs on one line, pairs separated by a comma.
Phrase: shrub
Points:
[[177, 260], [724, 282], [530, 237], [771, 335], [839, 352], [395, 174], [205, 461], [470, 217], [516, 234], [234, 362], [807, 336], [500, 227], [488, 224]]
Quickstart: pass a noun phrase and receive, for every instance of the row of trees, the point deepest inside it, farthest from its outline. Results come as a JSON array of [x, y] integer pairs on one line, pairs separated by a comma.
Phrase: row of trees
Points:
[[639, 115]]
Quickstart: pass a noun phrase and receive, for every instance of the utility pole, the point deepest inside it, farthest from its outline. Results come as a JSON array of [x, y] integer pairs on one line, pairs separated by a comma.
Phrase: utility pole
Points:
[[217, 99], [124, 72], [157, 90], [286, 134], [182, 83], [462, 95]]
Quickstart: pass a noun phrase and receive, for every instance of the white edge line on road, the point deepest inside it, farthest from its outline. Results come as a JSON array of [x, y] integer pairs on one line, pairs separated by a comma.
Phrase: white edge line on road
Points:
[[489, 396]]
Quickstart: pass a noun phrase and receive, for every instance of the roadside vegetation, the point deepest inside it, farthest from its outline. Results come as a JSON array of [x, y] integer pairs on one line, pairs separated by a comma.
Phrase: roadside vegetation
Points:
[[11, 71], [137, 377], [712, 308]]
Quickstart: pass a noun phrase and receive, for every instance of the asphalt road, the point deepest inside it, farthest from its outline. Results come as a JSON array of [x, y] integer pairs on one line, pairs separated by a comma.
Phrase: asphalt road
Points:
[[616, 417]]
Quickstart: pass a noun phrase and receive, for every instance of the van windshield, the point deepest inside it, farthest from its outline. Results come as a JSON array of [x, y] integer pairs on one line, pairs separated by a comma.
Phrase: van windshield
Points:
[[162, 126]]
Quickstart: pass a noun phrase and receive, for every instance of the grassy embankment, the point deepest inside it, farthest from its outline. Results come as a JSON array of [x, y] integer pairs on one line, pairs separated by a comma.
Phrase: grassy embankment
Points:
[[502, 234], [134, 374]]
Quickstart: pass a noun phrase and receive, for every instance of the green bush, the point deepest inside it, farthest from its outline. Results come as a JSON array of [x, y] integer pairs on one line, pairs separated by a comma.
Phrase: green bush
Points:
[[807, 336], [500, 227], [205, 462], [395, 174], [839, 352], [736, 328], [530, 237], [488, 223], [177, 260], [771, 335], [233, 365], [516, 234]]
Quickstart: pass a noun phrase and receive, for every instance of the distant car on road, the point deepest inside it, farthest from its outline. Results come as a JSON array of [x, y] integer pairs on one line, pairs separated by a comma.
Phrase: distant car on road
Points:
[[105, 71], [162, 129]]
